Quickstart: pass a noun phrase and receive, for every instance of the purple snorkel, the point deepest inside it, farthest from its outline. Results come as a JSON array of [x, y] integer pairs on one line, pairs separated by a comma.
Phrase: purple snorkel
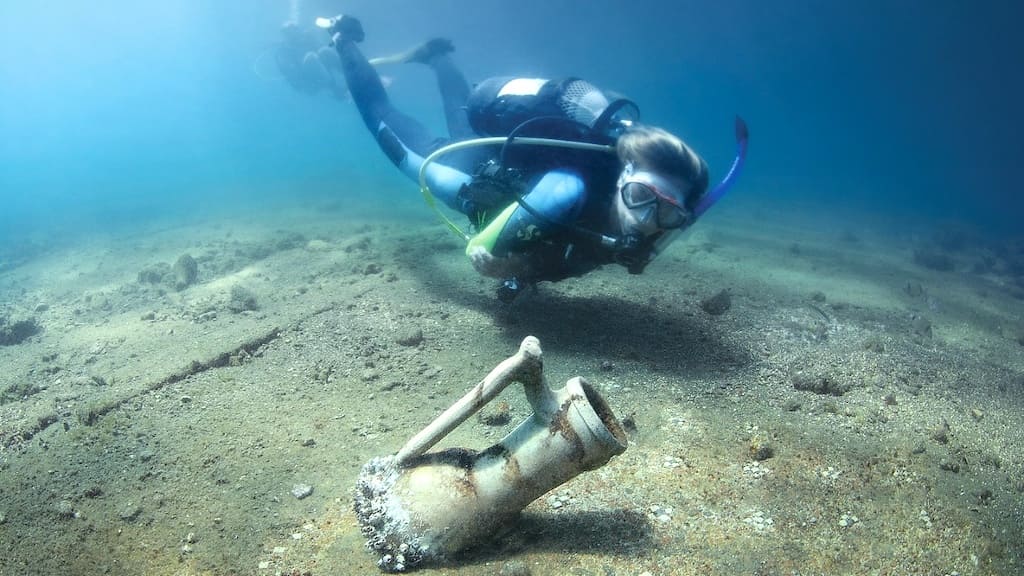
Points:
[[742, 135]]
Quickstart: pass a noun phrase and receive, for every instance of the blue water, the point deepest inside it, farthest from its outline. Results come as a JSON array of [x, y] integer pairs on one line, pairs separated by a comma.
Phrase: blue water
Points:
[[117, 113]]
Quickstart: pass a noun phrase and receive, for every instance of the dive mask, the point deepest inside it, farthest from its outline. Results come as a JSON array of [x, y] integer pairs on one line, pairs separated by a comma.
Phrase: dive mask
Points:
[[651, 200]]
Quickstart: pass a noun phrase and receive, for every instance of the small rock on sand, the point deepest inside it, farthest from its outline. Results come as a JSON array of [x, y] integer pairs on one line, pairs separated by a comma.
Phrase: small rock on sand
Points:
[[718, 304], [411, 337], [186, 271]]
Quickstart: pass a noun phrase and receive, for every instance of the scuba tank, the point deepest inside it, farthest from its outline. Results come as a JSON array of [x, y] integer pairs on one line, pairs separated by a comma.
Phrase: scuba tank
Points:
[[569, 109]]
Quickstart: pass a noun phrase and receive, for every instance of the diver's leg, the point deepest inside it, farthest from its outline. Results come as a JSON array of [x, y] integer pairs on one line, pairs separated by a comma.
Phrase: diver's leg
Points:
[[450, 81], [454, 94], [372, 99], [405, 141]]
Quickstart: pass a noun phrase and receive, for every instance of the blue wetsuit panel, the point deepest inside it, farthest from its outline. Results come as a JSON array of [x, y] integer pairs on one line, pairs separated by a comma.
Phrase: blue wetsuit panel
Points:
[[558, 198]]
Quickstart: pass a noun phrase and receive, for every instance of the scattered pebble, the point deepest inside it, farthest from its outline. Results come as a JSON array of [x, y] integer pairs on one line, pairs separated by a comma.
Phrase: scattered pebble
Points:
[[242, 299], [760, 448], [679, 423], [759, 521], [65, 509], [925, 518], [874, 344], [828, 475], [672, 462], [904, 475], [847, 520], [824, 384], [514, 568], [317, 245], [922, 327], [718, 304], [413, 337], [662, 514], [186, 272], [207, 316], [130, 511], [984, 496], [941, 432], [559, 500], [301, 491], [629, 424], [755, 470]]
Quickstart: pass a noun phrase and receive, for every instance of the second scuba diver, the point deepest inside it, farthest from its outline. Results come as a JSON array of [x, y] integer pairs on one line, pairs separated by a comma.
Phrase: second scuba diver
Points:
[[568, 181]]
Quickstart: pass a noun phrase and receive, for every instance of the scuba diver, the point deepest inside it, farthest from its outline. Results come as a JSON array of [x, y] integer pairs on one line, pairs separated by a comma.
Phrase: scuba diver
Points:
[[557, 177], [306, 64]]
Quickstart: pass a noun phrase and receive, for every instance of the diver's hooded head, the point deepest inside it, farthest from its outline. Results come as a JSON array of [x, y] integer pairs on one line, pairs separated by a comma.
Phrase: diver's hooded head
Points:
[[661, 183]]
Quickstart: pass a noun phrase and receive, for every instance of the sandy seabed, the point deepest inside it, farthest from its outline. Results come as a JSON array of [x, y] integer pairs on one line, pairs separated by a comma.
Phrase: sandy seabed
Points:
[[855, 409]]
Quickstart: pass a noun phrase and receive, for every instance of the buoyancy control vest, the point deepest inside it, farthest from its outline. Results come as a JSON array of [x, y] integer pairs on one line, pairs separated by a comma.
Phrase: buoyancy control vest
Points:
[[571, 110]]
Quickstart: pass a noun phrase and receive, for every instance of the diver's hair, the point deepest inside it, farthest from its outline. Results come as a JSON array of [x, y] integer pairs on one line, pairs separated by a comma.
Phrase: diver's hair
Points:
[[653, 149]]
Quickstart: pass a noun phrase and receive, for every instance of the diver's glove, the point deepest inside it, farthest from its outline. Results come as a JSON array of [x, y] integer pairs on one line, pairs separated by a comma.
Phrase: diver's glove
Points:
[[342, 27]]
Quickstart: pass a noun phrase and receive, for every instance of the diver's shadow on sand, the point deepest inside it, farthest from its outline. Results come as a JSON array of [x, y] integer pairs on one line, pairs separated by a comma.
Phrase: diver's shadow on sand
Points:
[[608, 532], [666, 337], [612, 329]]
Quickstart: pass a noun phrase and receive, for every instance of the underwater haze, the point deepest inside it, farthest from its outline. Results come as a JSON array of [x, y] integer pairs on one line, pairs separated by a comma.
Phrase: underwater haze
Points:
[[223, 310], [120, 113]]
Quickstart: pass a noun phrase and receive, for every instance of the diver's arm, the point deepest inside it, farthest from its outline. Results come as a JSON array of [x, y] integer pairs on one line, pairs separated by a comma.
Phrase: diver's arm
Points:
[[525, 239], [508, 266]]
